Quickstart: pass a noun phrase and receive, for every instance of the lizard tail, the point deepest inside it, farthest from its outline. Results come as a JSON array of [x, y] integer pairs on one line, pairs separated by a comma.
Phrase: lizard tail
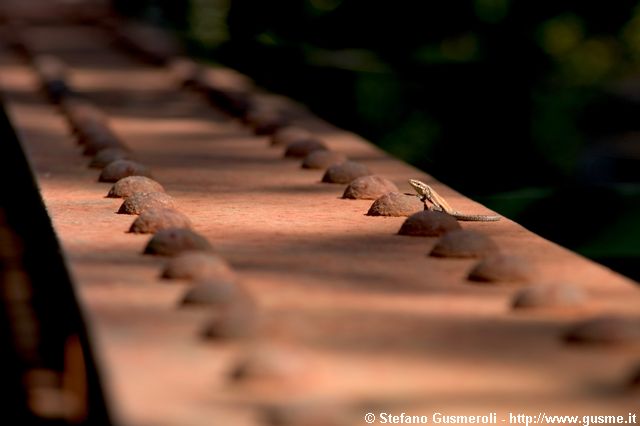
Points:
[[475, 217]]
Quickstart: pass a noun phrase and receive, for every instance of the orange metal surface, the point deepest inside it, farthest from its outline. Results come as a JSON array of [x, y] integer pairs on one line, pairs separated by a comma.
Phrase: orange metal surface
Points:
[[364, 318]]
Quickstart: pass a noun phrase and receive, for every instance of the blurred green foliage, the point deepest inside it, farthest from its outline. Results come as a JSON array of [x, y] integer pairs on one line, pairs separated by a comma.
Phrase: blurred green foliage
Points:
[[492, 11], [509, 102], [207, 22]]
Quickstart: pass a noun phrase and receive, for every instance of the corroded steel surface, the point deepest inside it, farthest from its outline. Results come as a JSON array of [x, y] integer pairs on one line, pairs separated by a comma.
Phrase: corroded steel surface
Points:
[[366, 318]]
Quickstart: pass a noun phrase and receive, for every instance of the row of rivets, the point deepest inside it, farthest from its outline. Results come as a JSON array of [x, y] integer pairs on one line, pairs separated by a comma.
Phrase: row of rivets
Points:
[[212, 285], [492, 267]]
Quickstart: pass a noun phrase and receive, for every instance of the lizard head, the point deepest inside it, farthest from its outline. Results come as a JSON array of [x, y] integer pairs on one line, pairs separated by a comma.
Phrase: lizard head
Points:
[[422, 189]]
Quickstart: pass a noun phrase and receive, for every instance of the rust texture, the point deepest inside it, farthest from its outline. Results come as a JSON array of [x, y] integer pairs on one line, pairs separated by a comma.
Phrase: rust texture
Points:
[[369, 188], [139, 202], [195, 265], [129, 185], [464, 243], [428, 223], [322, 159], [302, 148], [157, 218], [375, 324], [396, 204], [345, 172]]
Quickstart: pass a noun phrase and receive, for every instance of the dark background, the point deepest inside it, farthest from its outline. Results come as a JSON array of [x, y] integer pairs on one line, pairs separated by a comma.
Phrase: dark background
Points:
[[531, 108]]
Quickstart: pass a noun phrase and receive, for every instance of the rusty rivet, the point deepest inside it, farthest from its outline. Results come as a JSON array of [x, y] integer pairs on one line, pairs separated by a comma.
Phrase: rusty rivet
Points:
[[428, 224], [464, 243], [196, 265], [173, 241], [368, 188], [345, 172], [99, 138], [52, 72], [88, 128], [267, 363], [288, 134], [500, 268], [88, 122], [141, 201], [119, 169], [226, 88], [184, 70], [129, 185], [239, 320], [50, 67], [233, 100], [80, 113], [307, 414], [303, 147], [150, 43], [396, 204], [220, 78], [322, 159], [109, 155], [604, 330], [211, 292], [266, 121], [57, 89], [154, 219], [549, 296]]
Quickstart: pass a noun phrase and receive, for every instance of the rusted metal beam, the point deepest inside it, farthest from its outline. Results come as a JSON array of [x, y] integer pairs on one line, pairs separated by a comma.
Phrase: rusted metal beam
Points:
[[352, 317]]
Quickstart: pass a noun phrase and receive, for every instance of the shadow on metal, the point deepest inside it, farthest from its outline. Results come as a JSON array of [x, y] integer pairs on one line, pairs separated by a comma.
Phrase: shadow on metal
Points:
[[46, 360]]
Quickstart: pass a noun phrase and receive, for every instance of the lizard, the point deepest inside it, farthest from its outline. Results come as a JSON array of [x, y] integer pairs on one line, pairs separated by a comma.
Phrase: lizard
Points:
[[427, 194]]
